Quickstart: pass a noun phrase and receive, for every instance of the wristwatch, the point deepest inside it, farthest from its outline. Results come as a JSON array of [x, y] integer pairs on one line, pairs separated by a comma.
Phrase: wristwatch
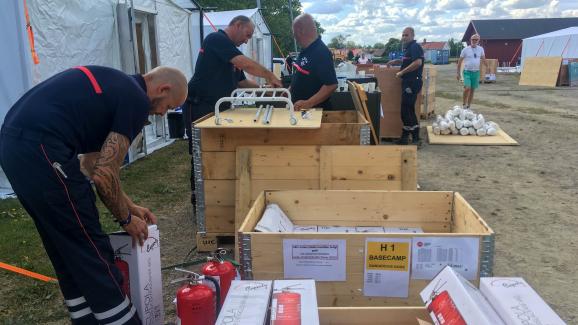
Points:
[[126, 221]]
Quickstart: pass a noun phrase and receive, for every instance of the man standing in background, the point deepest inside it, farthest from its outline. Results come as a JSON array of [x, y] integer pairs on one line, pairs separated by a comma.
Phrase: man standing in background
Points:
[[472, 56]]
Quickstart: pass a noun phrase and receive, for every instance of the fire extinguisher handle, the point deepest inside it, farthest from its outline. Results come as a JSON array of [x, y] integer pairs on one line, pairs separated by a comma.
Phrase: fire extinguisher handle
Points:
[[217, 293]]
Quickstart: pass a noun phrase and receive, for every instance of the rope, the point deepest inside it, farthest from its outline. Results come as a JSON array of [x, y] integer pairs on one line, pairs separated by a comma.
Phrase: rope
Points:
[[210, 22], [27, 273]]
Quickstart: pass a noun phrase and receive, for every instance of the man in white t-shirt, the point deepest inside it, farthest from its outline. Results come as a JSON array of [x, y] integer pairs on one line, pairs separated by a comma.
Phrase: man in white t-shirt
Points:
[[471, 56]]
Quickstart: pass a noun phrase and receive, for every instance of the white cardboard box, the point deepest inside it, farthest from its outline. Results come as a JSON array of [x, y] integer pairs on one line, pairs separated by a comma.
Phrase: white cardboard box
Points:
[[517, 303], [335, 229], [144, 264], [303, 297], [247, 303], [450, 297]]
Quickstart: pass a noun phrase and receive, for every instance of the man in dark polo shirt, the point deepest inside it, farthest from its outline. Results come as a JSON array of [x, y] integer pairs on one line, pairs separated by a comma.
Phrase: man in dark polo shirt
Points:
[[219, 68], [94, 111], [314, 78], [411, 83]]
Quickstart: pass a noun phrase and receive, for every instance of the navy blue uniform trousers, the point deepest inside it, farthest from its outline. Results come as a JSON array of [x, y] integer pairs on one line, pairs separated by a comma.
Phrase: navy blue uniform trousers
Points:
[[63, 208]]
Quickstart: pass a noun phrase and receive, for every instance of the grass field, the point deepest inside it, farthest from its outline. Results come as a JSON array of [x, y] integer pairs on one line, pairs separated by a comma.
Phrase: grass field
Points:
[[157, 181]]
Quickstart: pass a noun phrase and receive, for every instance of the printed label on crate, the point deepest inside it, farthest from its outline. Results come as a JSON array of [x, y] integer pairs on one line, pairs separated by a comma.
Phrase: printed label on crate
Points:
[[321, 260], [387, 267], [432, 254]]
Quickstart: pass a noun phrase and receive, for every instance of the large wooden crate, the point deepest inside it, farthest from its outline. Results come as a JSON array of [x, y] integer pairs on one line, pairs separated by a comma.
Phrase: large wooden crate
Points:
[[492, 69], [390, 86], [428, 93], [214, 160], [373, 315], [439, 214], [262, 168]]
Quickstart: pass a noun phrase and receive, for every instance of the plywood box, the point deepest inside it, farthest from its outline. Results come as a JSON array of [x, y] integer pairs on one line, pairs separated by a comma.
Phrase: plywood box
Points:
[[373, 316], [214, 160], [390, 86], [428, 93], [492, 68], [262, 168], [440, 214]]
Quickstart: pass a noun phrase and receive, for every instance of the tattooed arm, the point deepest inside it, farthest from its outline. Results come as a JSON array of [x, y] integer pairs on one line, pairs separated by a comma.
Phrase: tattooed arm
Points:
[[106, 177]]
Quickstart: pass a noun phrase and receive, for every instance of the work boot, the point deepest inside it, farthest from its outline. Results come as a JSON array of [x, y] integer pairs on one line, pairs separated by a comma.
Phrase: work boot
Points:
[[404, 139], [415, 137]]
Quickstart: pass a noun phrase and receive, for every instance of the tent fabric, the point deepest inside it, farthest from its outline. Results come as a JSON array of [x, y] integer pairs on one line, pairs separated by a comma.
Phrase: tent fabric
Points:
[[562, 43], [73, 33]]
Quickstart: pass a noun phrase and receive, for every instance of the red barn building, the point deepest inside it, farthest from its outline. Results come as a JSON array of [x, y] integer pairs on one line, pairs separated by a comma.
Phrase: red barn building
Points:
[[502, 38]]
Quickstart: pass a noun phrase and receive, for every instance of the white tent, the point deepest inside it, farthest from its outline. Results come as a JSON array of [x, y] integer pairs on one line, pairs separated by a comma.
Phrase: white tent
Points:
[[563, 43], [93, 32], [259, 47]]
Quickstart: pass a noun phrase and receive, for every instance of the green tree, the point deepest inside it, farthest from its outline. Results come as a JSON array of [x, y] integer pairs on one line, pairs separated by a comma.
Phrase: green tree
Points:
[[455, 47], [350, 55], [338, 42], [351, 45], [378, 45], [394, 44], [276, 13]]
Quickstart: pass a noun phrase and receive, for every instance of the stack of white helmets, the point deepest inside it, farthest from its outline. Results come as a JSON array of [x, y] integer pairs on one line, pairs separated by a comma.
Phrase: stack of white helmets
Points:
[[460, 121]]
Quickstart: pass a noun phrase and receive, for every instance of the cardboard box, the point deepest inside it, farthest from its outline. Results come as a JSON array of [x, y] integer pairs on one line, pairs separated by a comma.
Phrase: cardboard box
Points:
[[294, 302], [517, 303], [374, 316], [451, 299], [144, 264], [247, 303]]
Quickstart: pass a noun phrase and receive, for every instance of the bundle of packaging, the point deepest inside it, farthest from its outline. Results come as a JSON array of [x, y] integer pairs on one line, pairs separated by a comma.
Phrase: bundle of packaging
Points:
[[460, 121]]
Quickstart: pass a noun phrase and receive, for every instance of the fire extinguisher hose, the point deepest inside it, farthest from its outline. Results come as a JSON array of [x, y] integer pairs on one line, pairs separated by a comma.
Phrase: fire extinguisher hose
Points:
[[217, 293]]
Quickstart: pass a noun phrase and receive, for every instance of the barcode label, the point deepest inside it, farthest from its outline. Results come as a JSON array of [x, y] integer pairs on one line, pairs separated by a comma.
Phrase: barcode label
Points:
[[442, 255], [431, 254]]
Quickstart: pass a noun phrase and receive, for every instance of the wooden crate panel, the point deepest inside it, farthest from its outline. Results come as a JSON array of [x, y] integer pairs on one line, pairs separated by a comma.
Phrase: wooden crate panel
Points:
[[322, 167], [209, 242], [218, 165], [220, 192], [540, 71], [220, 219]]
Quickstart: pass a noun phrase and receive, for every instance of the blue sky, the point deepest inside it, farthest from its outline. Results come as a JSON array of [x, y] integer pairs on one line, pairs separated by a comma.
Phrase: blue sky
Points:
[[371, 21]]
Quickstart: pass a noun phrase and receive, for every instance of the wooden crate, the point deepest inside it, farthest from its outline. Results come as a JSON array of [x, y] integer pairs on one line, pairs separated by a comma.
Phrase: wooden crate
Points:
[[492, 69], [373, 316], [209, 242], [262, 168], [439, 214], [390, 86], [428, 93], [214, 160]]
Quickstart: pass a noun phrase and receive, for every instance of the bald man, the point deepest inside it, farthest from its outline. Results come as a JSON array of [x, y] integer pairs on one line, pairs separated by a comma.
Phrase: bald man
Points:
[[97, 112], [314, 78]]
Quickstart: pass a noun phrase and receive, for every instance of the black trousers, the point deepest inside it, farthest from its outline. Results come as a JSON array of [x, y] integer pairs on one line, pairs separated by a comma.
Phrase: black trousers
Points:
[[62, 205], [410, 88]]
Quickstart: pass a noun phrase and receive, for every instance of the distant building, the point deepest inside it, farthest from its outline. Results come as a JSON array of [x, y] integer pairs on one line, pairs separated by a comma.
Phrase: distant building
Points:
[[502, 38], [432, 50]]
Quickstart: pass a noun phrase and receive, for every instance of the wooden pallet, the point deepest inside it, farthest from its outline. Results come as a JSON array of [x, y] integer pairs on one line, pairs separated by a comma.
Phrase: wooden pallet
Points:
[[209, 242], [428, 115]]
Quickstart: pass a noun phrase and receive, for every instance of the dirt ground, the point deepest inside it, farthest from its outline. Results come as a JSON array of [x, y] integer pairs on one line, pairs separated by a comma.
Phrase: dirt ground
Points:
[[526, 193]]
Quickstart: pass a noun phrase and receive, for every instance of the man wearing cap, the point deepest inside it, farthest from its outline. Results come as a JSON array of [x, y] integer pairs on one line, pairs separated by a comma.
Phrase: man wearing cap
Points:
[[97, 112], [314, 77], [471, 56]]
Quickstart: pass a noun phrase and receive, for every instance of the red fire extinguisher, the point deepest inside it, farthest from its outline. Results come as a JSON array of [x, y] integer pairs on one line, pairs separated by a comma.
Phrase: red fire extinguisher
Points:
[[124, 270], [197, 303], [444, 309], [224, 270], [286, 308]]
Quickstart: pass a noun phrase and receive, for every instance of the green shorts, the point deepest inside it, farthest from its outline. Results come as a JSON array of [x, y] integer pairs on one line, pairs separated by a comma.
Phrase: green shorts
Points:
[[471, 79]]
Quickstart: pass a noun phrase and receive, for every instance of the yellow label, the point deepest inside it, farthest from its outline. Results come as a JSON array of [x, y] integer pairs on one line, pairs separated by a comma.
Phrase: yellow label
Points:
[[387, 256]]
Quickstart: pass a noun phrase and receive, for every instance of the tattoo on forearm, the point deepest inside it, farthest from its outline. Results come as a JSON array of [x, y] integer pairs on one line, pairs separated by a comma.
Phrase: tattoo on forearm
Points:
[[107, 170]]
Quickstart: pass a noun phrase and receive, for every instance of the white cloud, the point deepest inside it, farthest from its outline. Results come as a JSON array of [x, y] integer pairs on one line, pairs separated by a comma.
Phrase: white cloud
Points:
[[370, 21]]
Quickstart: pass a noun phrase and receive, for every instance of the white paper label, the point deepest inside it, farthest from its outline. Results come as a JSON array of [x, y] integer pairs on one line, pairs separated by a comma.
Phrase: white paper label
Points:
[[432, 254], [387, 267], [321, 260]]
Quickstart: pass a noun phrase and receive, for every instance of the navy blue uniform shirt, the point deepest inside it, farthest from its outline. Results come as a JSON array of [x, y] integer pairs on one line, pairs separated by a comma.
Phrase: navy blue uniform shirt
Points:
[[66, 107], [412, 52], [215, 76], [313, 69]]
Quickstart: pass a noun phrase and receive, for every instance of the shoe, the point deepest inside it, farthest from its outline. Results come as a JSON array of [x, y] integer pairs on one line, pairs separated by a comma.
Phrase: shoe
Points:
[[415, 137], [404, 139]]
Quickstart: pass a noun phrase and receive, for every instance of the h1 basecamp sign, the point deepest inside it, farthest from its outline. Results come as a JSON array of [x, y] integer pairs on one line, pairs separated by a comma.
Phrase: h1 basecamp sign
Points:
[[387, 265]]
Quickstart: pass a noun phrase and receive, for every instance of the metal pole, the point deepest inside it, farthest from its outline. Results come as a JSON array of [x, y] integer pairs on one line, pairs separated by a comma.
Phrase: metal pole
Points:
[[291, 16], [259, 4]]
